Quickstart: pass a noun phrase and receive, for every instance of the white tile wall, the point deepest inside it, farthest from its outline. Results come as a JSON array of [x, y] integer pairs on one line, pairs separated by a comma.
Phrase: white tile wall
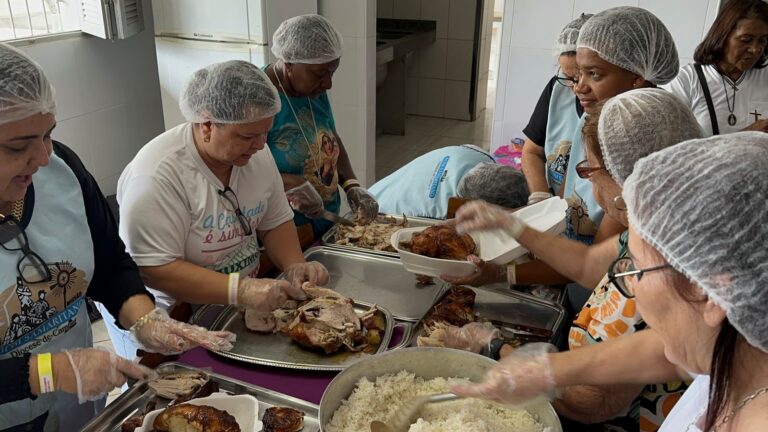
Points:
[[595, 6], [411, 95], [346, 15], [407, 9], [431, 97], [459, 65], [436, 10], [461, 19], [684, 18], [432, 59], [384, 8], [537, 26], [457, 100]]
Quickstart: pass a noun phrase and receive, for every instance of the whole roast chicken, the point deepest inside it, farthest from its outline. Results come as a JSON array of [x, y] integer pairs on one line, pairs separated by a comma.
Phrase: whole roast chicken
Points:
[[440, 241], [194, 418]]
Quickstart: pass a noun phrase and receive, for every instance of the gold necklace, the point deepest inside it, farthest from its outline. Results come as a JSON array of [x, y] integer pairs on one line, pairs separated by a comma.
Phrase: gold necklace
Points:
[[741, 404], [17, 210]]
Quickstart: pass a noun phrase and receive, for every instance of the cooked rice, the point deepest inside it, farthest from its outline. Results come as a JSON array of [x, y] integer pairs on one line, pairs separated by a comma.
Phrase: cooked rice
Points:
[[380, 399]]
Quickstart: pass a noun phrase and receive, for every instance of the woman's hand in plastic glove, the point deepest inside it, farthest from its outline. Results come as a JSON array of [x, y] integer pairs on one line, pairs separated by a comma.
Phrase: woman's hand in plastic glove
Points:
[[312, 272], [522, 378], [92, 373], [479, 215], [266, 295], [471, 337], [485, 273], [157, 332], [305, 199], [535, 197], [363, 204]]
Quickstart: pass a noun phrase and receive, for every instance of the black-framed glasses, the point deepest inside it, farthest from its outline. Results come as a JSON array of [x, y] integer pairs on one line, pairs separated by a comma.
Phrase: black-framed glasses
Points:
[[31, 267], [624, 268], [564, 80], [583, 170], [229, 196]]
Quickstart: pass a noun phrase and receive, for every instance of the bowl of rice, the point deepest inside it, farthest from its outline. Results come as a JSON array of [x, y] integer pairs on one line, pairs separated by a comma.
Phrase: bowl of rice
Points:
[[375, 388]]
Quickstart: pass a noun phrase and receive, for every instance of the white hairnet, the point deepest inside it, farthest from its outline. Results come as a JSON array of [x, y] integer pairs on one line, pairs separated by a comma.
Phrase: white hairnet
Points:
[[230, 92], [637, 123], [24, 88], [497, 184], [566, 41], [310, 39], [633, 39], [702, 205]]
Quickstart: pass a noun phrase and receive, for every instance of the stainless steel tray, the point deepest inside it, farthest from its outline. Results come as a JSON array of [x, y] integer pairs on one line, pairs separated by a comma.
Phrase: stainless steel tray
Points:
[[136, 398], [280, 351], [329, 238], [376, 279]]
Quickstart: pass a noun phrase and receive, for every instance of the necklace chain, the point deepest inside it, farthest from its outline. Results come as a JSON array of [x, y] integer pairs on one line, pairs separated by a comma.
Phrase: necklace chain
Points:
[[314, 156], [731, 116], [741, 404], [17, 210]]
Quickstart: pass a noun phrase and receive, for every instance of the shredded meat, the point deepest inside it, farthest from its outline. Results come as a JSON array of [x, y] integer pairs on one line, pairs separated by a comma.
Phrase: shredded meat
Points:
[[282, 419], [440, 241], [375, 235], [454, 308], [177, 385], [194, 418]]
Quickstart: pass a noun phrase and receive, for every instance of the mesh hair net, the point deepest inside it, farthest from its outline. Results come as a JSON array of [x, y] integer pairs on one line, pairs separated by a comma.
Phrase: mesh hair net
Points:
[[230, 92], [633, 39], [24, 88], [701, 204], [497, 184], [310, 39], [637, 123], [566, 42]]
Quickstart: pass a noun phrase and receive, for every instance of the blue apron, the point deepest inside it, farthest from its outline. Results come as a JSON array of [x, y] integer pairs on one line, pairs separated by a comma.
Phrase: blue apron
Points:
[[562, 122]]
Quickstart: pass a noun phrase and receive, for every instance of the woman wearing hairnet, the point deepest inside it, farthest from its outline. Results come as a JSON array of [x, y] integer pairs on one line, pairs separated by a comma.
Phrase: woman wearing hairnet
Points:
[[696, 267], [615, 138], [729, 71], [309, 153], [199, 200], [59, 244], [554, 120]]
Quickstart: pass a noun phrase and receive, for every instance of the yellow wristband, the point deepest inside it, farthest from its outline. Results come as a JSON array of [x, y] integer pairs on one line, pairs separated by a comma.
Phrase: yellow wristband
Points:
[[45, 373], [234, 282], [349, 183]]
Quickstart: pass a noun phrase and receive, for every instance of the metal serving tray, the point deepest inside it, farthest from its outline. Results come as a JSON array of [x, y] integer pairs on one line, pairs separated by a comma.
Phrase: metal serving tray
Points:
[[279, 350], [376, 279], [136, 398], [329, 238]]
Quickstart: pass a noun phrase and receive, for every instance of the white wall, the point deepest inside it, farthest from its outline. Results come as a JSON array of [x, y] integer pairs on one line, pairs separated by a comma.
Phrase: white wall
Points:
[[529, 29], [107, 96], [353, 96]]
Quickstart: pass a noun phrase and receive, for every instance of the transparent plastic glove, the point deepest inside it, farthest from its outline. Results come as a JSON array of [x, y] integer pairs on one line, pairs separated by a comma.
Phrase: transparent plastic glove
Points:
[[485, 273], [266, 295], [96, 372], [522, 378], [471, 337], [157, 332], [312, 272], [363, 204], [305, 199], [535, 197], [479, 215]]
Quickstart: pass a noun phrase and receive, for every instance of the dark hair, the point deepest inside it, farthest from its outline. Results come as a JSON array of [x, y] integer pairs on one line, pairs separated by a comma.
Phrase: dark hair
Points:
[[589, 132], [568, 54], [710, 50]]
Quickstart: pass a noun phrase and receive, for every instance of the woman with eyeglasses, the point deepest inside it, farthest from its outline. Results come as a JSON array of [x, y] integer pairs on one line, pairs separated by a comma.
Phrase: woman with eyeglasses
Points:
[[308, 150], [58, 244], [696, 267], [199, 201], [554, 119], [615, 137]]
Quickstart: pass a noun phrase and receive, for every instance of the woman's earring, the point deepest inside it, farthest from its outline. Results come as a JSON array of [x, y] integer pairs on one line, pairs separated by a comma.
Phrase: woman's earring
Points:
[[619, 204], [207, 139]]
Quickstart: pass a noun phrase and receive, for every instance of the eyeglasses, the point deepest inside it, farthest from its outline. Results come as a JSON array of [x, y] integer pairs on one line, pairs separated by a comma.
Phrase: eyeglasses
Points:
[[624, 268], [565, 80], [31, 267], [583, 170], [229, 196]]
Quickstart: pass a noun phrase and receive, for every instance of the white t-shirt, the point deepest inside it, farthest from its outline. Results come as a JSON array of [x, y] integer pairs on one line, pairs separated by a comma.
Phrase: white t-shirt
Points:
[[689, 412], [171, 209], [751, 97]]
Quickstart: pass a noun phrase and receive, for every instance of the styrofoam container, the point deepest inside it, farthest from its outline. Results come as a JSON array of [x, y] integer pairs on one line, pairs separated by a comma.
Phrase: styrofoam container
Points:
[[245, 409], [494, 246]]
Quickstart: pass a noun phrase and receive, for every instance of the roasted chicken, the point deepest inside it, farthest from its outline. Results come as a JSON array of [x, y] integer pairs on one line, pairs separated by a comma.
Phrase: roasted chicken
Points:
[[455, 308], [282, 419], [375, 235], [194, 418], [440, 241]]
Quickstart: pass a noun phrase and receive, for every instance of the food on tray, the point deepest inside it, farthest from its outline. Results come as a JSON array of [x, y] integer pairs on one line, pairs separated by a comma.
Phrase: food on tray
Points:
[[282, 419], [376, 235], [440, 241], [325, 321], [179, 384], [380, 399], [137, 420], [194, 418], [454, 308]]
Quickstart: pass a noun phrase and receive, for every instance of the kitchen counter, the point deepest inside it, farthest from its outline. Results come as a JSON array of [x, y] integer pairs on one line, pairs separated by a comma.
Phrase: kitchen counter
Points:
[[396, 38]]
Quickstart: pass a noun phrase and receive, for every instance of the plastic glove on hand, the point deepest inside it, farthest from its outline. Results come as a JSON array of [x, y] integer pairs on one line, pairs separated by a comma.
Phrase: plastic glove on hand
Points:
[[312, 272], [266, 295], [519, 379], [305, 199], [96, 372], [485, 273], [479, 215], [471, 337], [157, 332], [363, 204]]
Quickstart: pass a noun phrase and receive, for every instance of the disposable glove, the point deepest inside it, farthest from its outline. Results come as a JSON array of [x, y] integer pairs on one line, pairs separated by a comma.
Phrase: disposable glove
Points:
[[312, 272], [485, 273], [157, 332], [95, 372], [471, 337], [535, 197], [266, 295], [363, 204], [479, 215], [522, 378], [305, 199]]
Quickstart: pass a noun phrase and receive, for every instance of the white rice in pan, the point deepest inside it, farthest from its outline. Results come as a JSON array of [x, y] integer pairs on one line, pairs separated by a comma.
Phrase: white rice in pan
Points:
[[380, 399]]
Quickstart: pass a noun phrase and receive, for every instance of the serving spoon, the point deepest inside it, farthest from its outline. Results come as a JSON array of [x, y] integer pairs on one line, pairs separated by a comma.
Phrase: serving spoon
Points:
[[402, 419]]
